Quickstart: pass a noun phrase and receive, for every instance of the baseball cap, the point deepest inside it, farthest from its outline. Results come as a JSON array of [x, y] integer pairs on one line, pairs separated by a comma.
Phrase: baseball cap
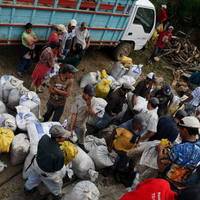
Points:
[[139, 119], [154, 101], [153, 77], [84, 24], [69, 68], [180, 114], [62, 28], [90, 90], [190, 192], [128, 86], [167, 89], [170, 27], [73, 22], [164, 6], [59, 131], [190, 122]]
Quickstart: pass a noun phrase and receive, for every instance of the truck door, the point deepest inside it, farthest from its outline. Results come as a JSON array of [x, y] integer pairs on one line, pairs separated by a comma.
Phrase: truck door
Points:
[[140, 27]]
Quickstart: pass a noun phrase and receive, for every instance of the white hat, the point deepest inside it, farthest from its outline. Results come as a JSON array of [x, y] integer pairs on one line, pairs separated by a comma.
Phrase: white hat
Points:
[[190, 122], [170, 27], [62, 28], [128, 86], [73, 22], [153, 77], [164, 6]]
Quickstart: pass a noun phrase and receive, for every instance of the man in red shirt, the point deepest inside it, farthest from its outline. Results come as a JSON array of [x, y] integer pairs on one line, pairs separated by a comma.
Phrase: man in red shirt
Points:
[[162, 16], [164, 37]]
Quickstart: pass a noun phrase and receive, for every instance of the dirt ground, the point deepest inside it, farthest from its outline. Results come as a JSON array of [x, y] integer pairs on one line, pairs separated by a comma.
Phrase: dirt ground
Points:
[[95, 59]]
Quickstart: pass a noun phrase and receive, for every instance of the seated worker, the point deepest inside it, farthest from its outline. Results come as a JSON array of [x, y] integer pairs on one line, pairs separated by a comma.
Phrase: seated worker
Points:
[[167, 127], [129, 135], [47, 163], [142, 89], [165, 97], [151, 118], [179, 163], [192, 101], [114, 106]]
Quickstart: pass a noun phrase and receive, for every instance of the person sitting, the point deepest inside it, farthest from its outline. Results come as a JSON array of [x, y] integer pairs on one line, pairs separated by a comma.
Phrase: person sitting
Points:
[[181, 160], [167, 127]]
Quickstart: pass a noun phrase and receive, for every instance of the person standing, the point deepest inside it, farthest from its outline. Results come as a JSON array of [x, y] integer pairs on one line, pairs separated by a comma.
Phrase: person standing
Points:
[[44, 65], [164, 37], [81, 34], [60, 87], [47, 164], [162, 16], [27, 50]]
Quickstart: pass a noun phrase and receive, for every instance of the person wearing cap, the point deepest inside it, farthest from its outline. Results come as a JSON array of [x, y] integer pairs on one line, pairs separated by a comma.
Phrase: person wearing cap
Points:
[[81, 34], [167, 127], [48, 165], [151, 119], [129, 135], [164, 37], [83, 107], [142, 89], [67, 38], [162, 16], [54, 36], [60, 87], [114, 106], [165, 96], [192, 102], [182, 159]]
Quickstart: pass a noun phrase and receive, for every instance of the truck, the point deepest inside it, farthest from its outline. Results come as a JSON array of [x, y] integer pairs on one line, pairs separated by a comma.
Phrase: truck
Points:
[[122, 24]]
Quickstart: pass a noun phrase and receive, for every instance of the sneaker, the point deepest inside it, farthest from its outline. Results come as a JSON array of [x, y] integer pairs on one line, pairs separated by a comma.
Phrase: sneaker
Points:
[[20, 75]]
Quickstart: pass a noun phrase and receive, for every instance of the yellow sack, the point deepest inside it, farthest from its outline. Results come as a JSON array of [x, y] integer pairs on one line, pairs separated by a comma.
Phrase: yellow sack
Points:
[[103, 74], [69, 150], [155, 34], [6, 138], [128, 65], [174, 108], [164, 142], [102, 89], [125, 59]]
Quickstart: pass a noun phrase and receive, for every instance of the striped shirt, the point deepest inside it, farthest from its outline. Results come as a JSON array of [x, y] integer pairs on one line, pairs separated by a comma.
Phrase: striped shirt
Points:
[[196, 98]]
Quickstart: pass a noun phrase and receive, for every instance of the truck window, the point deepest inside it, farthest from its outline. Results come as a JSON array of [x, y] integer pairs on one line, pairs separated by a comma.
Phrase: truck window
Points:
[[145, 17]]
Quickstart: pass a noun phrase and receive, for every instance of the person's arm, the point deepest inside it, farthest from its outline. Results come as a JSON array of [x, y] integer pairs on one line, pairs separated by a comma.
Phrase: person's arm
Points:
[[35, 38], [149, 134], [68, 60], [159, 149], [91, 112], [148, 96], [61, 92], [188, 83], [186, 100], [134, 99], [88, 42], [167, 108], [51, 90], [59, 49], [29, 41], [110, 106], [73, 118], [112, 137]]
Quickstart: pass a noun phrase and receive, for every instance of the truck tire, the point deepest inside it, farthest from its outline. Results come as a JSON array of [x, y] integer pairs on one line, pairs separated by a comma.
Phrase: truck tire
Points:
[[123, 49]]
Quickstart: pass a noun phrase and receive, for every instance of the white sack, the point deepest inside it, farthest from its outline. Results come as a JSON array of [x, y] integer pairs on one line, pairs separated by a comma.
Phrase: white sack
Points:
[[31, 100], [90, 78], [2, 108], [83, 166], [102, 157], [8, 121], [2, 166], [55, 70], [118, 70], [120, 115], [24, 117], [127, 79], [84, 190], [19, 149], [113, 83], [141, 104], [134, 71]]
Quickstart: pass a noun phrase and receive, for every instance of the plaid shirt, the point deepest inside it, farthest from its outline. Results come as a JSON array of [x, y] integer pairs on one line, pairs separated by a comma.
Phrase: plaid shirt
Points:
[[196, 98], [46, 57]]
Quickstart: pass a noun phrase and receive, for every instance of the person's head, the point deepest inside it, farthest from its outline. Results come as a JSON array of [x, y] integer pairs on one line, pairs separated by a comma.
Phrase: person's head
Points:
[[163, 7], [127, 87], [69, 71], [58, 133], [170, 29], [153, 102], [180, 114], [166, 89], [190, 192], [151, 78], [28, 27], [138, 122], [72, 25], [84, 26], [88, 92], [61, 29], [54, 45], [188, 127]]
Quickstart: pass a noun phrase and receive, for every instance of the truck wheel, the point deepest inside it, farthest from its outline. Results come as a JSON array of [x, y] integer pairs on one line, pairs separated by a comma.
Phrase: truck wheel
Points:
[[123, 49]]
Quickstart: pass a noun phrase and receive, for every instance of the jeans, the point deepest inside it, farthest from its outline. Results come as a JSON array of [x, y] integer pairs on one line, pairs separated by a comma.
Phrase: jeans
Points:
[[65, 52], [156, 51], [189, 109], [58, 111], [24, 64], [195, 177], [105, 121], [127, 115], [83, 52]]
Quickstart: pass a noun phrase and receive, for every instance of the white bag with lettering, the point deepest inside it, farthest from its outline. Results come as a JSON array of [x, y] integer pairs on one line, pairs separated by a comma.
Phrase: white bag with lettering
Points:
[[134, 71], [8, 121]]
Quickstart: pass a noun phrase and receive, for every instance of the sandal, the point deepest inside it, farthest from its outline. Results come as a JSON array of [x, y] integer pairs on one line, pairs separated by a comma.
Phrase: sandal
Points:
[[39, 91]]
